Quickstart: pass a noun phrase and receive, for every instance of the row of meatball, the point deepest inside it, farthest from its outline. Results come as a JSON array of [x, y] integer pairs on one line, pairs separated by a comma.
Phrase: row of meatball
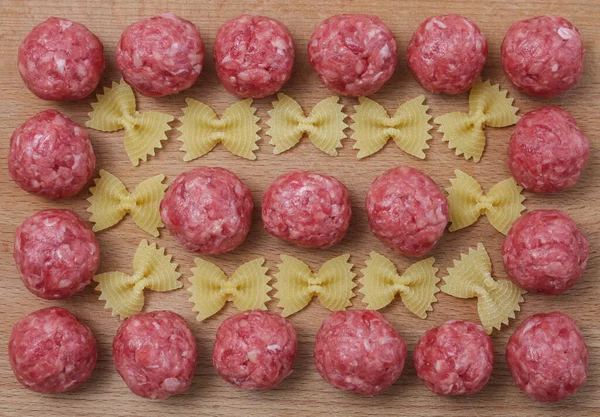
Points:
[[254, 55], [209, 211], [359, 351]]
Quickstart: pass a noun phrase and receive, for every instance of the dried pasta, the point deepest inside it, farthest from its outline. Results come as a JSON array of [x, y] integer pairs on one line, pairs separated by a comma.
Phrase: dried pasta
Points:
[[502, 205], [116, 110], [296, 285], [324, 126], [488, 106], [152, 269], [110, 202], [408, 127], [201, 129], [247, 288], [471, 277]]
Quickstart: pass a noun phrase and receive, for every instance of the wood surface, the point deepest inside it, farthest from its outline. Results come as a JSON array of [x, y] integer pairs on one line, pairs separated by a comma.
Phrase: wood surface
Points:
[[304, 392]]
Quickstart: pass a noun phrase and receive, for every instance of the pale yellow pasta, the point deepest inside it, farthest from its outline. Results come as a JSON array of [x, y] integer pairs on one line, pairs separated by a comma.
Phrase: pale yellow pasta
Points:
[[408, 127], [502, 205], [471, 277], [152, 269], [324, 126], [116, 110], [296, 285], [417, 286], [247, 288], [488, 106], [201, 129], [110, 202]]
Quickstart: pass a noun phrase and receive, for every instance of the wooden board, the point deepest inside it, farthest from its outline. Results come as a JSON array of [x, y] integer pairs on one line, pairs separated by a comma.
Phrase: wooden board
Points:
[[304, 392]]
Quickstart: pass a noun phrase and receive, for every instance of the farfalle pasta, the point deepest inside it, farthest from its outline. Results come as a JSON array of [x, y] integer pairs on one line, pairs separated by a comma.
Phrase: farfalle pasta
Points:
[[488, 106], [201, 129], [152, 269], [116, 110], [110, 202], [324, 125], [296, 284], [471, 277], [408, 127], [502, 205], [417, 286], [248, 287]]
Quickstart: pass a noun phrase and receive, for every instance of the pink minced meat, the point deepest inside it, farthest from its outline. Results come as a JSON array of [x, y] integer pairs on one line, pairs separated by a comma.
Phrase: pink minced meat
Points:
[[407, 211], [359, 351], [161, 55], [547, 357], [455, 358], [354, 54], [51, 156], [545, 252], [543, 56], [446, 54], [56, 253], [51, 351], [61, 60], [255, 350], [547, 150], [308, 209], [254, 55], [155, 353], [208, 210]]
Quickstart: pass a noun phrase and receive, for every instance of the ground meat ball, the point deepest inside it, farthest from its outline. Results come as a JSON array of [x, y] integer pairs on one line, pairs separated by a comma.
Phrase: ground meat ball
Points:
[[51, 156], [61, 60], [354, 54], [446, 54], [310, 210], [208, 210], [547, 357], [51, 351], [359, 351], [545, 252], [155, 353], [161, 55], [255, 349], [542, 56], [56, 254], [407, 211], [253, 55], [455, 358], [547, 151]]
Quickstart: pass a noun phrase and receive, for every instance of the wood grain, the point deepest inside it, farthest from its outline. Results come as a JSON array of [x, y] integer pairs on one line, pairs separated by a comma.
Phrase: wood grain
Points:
[[304, 392]]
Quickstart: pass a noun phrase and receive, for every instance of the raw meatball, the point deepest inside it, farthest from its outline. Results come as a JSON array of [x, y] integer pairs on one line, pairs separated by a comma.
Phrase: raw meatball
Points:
[[155, 353], [161, 55], [255, 349], [51, 351], [545, 252], [354, 54], [61, 60], [51, 156], [547, 357], [547, 151], [359, 351], [56, 254], [310, 210], [253, 55], [446, 54], [543, 56], [407, 211], [208, 210], [455, 358]]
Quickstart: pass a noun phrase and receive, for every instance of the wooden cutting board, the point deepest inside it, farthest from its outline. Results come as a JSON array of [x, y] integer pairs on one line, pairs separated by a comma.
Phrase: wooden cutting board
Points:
[[304, 392]]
